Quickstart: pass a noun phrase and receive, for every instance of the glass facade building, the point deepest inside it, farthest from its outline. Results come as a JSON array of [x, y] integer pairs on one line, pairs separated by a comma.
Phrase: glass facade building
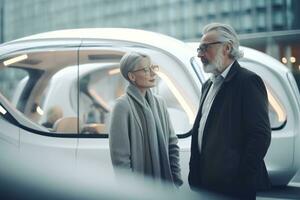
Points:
[[268, 25], [182, 19]]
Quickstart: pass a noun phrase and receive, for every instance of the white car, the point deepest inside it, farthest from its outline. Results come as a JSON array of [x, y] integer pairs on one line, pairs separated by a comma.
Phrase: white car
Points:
[[57, 90]]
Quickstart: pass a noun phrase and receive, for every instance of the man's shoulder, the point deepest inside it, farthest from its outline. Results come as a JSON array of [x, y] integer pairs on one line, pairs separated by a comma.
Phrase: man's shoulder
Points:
[[247, 78], [246, 73]]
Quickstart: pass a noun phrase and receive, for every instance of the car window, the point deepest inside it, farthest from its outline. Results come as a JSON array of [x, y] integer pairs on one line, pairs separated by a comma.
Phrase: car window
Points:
[[101, 84], [276, 94], [49, 89], [277, 112], [35, 81], [10, 78]]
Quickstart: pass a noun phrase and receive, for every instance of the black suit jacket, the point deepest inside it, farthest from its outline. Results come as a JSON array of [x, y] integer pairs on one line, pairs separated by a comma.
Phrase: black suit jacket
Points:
[[236, 136]]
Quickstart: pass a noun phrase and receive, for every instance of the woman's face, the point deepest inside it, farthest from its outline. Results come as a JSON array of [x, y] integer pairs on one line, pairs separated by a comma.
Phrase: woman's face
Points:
[[144, 76]]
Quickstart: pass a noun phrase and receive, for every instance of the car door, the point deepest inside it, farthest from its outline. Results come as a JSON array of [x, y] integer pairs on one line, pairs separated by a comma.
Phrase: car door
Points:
[[9, 133], [35, 83], [100, 83]]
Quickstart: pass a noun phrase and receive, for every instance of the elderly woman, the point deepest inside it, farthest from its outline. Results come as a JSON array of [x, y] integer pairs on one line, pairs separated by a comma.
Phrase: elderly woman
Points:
[[142, 138]]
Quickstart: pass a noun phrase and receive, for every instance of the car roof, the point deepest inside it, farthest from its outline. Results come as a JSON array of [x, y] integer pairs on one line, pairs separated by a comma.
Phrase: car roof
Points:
[[158, 40], [169, 45], [98, 33]]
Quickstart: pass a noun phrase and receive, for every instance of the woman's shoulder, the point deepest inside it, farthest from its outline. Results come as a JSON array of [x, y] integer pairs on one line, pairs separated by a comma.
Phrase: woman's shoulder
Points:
[[121, 103]]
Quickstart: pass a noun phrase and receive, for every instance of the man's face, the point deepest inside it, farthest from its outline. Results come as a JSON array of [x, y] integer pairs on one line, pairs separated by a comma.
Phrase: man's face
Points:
[[211, 53]]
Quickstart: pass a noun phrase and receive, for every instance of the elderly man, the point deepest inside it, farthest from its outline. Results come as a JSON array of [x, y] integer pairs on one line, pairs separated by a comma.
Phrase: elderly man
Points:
[[231, 133]]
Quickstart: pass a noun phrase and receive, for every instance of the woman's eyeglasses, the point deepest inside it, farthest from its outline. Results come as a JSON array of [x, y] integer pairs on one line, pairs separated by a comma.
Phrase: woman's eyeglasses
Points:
[[153, 68]]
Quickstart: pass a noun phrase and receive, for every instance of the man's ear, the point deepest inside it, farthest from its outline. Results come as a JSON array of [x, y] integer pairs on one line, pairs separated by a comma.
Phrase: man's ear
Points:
[[131, 76], [226, 49]]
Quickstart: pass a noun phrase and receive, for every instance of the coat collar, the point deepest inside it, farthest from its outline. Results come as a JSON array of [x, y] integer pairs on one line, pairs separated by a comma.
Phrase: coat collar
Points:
[[233, 70], [134, 93]]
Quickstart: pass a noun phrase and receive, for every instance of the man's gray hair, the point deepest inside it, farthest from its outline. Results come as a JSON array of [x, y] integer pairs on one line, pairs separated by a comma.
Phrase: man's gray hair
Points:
[[129, 61], [226, 34]]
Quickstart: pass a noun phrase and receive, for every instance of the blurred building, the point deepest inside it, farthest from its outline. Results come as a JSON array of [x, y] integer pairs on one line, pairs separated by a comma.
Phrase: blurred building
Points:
[[268, 25], [1, 21]]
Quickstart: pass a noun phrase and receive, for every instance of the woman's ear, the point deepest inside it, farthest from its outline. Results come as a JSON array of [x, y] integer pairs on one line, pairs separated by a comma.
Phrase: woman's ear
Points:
[[131, 77]]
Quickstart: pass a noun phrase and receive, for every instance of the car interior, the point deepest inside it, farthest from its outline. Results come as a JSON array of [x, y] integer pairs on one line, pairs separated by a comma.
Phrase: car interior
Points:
[[86, 90]]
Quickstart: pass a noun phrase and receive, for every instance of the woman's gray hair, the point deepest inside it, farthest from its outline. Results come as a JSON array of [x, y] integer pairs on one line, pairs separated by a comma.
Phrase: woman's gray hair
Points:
[[226, 34], [129, 61]]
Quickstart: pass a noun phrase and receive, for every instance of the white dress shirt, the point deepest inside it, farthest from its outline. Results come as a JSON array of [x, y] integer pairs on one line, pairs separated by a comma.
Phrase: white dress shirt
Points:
[[213, 90]]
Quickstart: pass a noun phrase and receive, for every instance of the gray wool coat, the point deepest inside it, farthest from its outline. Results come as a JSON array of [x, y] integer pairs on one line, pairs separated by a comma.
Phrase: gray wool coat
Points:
[[126, 138]]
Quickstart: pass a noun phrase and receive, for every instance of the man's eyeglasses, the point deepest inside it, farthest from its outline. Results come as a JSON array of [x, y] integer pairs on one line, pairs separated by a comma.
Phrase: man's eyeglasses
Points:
[[203, 47], [153, 68]]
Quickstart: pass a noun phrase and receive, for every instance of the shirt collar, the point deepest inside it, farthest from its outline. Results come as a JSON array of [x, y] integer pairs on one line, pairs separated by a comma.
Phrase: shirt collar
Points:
[[225, 72]]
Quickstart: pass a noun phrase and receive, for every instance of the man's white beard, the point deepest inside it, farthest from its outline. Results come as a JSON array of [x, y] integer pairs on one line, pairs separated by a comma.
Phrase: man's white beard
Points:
[[215, 66]]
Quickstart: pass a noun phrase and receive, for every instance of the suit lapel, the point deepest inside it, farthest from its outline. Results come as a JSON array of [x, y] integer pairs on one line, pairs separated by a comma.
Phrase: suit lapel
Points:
[[204, 94], [233, 70]]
